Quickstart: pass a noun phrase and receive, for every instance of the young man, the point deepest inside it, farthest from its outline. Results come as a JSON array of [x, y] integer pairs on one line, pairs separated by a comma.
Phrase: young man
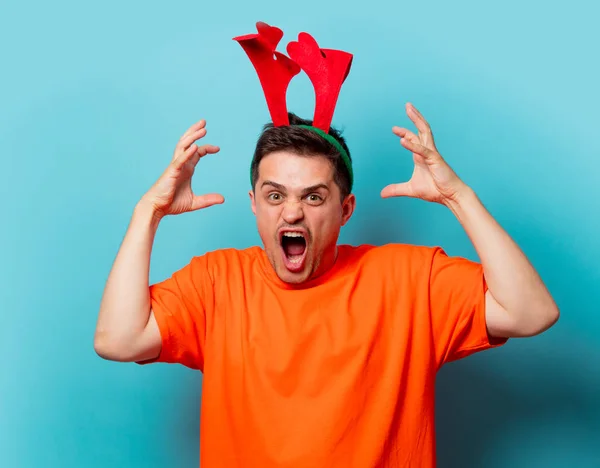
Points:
[[316, 354]]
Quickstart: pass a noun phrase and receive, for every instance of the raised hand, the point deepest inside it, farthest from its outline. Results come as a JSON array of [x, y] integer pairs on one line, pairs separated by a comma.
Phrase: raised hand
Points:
[[432, 179], [172, 193]]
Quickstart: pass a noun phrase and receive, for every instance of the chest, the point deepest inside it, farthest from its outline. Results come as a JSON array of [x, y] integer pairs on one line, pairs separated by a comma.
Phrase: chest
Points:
[[301, 337]]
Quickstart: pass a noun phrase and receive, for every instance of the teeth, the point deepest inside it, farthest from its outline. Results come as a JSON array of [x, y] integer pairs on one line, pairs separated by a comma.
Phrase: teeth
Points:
[[293, 234]]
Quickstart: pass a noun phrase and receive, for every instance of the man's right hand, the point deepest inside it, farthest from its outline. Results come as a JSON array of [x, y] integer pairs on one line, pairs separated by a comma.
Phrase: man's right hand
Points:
[[172, 192]]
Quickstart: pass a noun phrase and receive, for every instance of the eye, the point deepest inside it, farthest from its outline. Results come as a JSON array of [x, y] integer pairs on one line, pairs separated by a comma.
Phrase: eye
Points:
[[274, 197], [314, 198]]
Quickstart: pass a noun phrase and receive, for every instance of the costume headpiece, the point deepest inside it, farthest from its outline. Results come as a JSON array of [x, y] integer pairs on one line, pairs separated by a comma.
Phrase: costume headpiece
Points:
[[327, 69]]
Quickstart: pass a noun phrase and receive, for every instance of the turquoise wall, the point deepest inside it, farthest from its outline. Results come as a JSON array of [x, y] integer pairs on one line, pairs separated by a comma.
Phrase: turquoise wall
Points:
[[93, 98]]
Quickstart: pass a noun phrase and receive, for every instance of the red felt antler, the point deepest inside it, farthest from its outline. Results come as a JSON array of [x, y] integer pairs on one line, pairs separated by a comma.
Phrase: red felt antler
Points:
[[275, 70], [327, 70]]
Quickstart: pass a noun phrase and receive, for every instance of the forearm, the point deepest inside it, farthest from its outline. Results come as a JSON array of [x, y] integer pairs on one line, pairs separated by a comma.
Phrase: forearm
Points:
[[125, 306], [512, 281]]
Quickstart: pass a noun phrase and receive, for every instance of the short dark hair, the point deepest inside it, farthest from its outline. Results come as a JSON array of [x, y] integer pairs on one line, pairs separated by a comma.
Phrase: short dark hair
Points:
[[303, 142]]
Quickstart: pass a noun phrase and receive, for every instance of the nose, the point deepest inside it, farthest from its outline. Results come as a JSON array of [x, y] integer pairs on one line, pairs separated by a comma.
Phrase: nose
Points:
[[292, 212]]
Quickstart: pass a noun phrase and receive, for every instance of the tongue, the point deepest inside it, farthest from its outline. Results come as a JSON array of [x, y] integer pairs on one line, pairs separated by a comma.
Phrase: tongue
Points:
[[295, 247]]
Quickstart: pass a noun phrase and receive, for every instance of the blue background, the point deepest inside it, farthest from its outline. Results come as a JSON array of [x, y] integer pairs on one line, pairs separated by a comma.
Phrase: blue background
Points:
[[93, 98]]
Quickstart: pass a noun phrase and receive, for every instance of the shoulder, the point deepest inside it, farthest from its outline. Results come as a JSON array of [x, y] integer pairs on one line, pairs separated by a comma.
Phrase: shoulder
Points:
[[394, 252], [226, 260], [229, 255], [399, 260], [409, 262]]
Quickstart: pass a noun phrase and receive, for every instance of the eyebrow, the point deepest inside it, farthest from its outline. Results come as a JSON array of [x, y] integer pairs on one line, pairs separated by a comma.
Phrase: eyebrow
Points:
[[281, 188]]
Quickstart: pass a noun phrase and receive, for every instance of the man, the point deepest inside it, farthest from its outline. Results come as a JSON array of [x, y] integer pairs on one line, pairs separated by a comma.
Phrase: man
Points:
[[316, 354]]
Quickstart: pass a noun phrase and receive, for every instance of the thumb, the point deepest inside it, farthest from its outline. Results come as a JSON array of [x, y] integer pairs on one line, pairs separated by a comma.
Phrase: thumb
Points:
[[204, 201], [397, 190]]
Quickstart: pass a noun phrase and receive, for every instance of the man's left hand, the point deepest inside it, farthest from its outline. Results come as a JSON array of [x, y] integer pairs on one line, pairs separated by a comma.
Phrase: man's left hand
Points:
[[432, 179]]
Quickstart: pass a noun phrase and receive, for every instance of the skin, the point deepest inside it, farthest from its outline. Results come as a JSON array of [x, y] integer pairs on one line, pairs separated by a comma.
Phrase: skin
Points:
[[299, 192], [517, 302]]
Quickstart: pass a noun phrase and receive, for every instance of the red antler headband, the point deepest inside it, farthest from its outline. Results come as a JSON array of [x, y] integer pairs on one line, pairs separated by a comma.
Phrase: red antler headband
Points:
[[326, 68]]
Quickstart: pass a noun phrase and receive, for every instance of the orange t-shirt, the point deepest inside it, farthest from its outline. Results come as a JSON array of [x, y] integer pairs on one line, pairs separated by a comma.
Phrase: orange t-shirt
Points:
[[337, 373]]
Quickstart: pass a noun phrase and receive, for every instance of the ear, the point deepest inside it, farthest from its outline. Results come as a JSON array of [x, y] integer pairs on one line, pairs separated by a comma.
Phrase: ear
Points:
[[252, 202], [348, 207]]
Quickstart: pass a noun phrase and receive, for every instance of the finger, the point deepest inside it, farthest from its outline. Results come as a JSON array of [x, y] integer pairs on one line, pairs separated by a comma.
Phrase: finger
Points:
[[184, 157], [203, 151], [405, 133], [185, 143], [427, 154], [194, 153], [208, 149], [204, 201], [194, 128], [403, 189], [411, 106], [418, 120]]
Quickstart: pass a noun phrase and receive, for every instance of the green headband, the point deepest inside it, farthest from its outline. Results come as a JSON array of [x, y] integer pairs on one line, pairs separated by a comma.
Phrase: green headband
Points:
[[336, 144]]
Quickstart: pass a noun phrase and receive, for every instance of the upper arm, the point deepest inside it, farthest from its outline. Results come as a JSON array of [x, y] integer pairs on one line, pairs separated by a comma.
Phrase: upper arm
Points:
[[176, 326], [176, 329], [140, 346], [459, 308], [149, 343], [498, 322], [502, 324]]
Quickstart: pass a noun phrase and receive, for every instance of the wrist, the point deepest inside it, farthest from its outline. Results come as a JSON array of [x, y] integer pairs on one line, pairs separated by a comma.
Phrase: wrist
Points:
[[146, 212], [462, 199]]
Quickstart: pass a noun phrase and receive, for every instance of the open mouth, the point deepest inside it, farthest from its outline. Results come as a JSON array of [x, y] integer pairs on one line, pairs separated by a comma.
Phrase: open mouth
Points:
[[293, 244]]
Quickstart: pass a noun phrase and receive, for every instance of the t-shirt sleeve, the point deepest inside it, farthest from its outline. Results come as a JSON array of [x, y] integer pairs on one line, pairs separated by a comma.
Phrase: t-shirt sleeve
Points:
[[457, 291], [180, 305]]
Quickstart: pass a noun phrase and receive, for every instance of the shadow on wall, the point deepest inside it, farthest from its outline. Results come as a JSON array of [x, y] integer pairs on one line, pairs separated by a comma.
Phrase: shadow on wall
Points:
[[542, 410], [535, 401], [185, 420]]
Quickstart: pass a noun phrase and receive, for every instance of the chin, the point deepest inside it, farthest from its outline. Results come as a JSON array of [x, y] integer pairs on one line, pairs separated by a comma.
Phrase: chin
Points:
[[291, 255], [292, 277], [293, 271]]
